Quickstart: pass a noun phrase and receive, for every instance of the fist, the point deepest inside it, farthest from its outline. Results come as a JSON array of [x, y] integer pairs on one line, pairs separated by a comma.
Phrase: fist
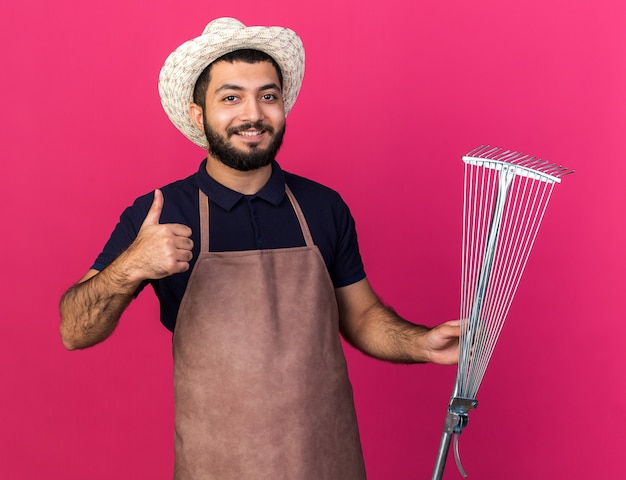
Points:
[[160, 250]]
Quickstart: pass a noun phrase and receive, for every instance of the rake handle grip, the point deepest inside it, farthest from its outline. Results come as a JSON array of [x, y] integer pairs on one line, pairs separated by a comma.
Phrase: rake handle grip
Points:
[[442, 455]]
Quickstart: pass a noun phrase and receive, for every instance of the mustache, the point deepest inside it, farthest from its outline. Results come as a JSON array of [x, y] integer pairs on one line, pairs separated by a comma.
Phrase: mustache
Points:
[[250, 126]]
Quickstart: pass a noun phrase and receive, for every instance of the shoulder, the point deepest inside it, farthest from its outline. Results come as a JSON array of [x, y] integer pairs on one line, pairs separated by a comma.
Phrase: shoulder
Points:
[[332, 226], [323, 207], [307, 190]]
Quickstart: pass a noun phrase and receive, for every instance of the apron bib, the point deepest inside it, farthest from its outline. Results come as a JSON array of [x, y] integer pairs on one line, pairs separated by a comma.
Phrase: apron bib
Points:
[[260, 381]]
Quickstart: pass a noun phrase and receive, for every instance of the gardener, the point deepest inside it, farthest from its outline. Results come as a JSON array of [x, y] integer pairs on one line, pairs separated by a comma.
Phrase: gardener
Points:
[[256, 271]]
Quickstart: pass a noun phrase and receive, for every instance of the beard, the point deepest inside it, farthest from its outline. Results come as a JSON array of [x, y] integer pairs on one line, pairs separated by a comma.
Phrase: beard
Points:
[[221, 149]]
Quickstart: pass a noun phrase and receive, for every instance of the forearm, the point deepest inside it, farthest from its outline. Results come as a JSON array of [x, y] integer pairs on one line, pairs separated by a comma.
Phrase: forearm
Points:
[[91, 309], [378, 331], [385, 335]]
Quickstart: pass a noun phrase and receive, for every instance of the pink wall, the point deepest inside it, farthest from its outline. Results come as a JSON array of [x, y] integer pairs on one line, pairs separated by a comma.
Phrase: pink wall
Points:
[[395, 92]]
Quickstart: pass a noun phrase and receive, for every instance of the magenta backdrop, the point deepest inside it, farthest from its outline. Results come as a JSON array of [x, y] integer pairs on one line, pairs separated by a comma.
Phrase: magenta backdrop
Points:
[[394, 93]]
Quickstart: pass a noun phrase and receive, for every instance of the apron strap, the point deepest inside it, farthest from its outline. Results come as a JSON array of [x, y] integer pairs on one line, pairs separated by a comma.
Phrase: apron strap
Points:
[[203, 203], [204, 221], [306, 233]]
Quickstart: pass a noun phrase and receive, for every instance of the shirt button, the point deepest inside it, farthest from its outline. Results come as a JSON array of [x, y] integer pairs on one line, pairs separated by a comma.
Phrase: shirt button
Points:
[[259, 240]]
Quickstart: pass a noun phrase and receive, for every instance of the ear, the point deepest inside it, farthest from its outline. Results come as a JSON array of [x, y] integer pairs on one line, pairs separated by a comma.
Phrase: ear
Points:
[[197, 115]]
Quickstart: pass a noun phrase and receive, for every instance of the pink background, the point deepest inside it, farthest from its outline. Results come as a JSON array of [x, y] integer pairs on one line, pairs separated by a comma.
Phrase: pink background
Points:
[[395, 92]]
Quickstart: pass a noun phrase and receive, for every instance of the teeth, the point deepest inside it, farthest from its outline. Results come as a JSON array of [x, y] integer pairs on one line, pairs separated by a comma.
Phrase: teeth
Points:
[[250, 133]]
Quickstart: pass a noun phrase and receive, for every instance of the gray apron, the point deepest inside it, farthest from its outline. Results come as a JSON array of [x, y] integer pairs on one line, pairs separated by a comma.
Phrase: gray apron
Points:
[[260, 380]]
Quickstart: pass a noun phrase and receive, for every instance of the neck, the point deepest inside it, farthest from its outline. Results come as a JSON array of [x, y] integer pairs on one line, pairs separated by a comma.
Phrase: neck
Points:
[[248, 183]]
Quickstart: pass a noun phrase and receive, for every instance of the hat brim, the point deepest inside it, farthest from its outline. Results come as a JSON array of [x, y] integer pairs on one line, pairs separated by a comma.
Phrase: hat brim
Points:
[[184, 65]]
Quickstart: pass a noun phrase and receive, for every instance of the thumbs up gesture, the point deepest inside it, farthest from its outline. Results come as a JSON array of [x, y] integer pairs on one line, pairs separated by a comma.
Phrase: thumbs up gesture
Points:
[[160, 250]]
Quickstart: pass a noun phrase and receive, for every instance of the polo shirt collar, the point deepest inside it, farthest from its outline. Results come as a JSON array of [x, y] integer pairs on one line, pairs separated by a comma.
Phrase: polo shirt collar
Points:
[[273, 191]]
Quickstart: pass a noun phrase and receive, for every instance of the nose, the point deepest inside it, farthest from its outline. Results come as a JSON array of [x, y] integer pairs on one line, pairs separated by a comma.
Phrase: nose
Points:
[[252, 111]]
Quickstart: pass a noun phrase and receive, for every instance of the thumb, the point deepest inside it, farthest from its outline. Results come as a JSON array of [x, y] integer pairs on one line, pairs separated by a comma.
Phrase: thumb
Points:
[[154, 214]]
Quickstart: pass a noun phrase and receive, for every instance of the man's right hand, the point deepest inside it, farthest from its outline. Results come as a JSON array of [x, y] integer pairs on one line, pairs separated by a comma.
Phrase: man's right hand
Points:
[[91, 309], [160, 250]]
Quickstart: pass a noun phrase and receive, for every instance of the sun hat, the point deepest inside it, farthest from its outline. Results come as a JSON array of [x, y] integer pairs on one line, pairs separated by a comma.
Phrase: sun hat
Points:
[[221, 36]]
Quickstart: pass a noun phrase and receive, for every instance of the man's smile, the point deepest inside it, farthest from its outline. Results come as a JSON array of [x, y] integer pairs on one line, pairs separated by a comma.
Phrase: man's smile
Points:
[[250, 133]]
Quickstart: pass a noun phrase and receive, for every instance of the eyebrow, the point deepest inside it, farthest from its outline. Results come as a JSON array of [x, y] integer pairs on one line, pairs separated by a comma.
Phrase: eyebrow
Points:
[[230, 86]]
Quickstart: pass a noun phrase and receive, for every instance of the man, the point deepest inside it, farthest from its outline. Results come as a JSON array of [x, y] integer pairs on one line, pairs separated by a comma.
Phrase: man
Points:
[[256, 271]]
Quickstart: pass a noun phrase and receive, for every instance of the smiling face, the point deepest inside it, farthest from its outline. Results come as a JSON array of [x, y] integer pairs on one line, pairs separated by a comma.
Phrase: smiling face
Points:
[[244, 116]]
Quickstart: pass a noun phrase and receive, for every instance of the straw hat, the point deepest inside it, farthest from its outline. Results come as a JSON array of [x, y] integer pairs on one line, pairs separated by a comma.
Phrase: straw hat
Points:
[[185, 64]]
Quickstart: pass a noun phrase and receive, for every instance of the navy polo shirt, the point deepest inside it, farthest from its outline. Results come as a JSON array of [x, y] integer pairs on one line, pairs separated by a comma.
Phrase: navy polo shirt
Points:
[[245, 222]]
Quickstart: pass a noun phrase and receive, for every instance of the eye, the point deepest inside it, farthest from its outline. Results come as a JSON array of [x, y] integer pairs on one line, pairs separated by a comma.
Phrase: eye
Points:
[[230, 98], [269, 97]]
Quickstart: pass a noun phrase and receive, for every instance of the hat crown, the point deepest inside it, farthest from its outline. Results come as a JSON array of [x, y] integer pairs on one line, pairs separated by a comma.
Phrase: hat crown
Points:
[[221, 24]]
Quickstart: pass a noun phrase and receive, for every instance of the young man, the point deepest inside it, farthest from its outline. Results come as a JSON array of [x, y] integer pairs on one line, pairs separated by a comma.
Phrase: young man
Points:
[[256, 271]]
